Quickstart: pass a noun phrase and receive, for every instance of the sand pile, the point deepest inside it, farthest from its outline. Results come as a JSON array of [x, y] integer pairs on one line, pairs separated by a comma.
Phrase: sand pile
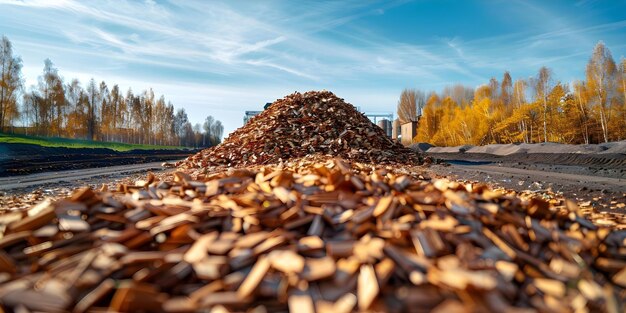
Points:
[[305, 124]]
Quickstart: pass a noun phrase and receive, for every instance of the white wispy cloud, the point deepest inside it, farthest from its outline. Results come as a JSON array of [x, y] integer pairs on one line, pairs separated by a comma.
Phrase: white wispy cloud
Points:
[[229, 56], [227, 37]]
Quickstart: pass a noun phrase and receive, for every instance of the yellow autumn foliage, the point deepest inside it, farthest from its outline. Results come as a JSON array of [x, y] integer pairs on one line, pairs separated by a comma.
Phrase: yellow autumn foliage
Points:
[[589, 111]]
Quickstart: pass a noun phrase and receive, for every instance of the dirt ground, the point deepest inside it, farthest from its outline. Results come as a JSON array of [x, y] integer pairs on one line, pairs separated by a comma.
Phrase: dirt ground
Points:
[[604, 165], [24, 191], [22, 159], [599, 182]]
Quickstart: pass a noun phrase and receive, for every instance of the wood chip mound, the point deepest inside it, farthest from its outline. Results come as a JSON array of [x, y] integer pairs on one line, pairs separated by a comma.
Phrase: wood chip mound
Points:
[[305, 124], [330, 236]]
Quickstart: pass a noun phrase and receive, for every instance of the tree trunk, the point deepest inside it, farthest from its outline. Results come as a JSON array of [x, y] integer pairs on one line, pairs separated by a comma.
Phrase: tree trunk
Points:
[[1, 109], [2, 97], [545, 123], [624, 89], [604, 125], [583, 116]]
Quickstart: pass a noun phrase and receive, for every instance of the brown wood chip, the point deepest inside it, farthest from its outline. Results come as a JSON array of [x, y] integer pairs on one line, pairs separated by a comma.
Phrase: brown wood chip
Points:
[[368, 288], [253, 279], [300, 302], [316, 269], [286, 261], [89, 300], [34, 221], [199, 250]]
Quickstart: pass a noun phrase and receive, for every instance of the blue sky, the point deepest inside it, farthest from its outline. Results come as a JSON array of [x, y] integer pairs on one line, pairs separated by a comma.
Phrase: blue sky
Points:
[[221, 58]]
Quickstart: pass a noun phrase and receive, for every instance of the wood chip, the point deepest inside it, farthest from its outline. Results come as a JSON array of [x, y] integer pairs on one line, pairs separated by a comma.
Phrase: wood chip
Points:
[[301, 303], [382, 206], [368, 288], [316, 269], [34, 221], [94, 296], [253, 279], [286, 261], [199, 250], [550, 286]]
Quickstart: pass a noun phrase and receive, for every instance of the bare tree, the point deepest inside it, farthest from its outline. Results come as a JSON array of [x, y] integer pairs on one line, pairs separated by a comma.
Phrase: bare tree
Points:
[[460, 94], [93, 94], [116, 114], [74, 93], [10, 83], [580, 98], [622, 79], [506, 89], [543, 85], [217, 131], [208, 130], [30, 108], [518, 99], [493, 87], [410, 105], [179, 123]]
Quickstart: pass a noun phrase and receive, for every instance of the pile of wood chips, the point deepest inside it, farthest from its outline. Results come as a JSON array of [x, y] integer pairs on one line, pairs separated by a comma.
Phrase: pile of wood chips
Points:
[[316, 122], [271, 221], [313, 236]]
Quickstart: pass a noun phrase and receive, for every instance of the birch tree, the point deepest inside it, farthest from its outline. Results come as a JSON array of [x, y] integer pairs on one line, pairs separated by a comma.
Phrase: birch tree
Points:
[[543, 85], [600, 74], [10, 83]]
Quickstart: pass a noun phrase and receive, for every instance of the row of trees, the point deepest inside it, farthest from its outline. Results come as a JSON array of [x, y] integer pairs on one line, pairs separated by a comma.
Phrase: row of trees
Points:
[[538, 109], [95, 112]]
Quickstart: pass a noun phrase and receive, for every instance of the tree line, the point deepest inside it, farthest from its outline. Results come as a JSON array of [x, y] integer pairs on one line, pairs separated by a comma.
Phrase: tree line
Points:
[[54, 108], [538, 109]]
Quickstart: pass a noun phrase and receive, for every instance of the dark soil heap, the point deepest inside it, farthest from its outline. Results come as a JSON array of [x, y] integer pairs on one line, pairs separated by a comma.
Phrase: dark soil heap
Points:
[[305, 124]]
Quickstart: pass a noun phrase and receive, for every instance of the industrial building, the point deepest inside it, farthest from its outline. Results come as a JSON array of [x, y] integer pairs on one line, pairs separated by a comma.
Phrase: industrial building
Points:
[[385, 124], [408, 132], [250, 114]]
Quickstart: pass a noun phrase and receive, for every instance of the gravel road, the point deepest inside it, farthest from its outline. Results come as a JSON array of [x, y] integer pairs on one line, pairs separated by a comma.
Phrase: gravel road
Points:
[[26, 190], [603, 192], [72, 176]]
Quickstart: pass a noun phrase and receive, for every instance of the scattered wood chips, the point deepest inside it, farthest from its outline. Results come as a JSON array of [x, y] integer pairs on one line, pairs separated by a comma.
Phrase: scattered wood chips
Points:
[[323, 237]]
